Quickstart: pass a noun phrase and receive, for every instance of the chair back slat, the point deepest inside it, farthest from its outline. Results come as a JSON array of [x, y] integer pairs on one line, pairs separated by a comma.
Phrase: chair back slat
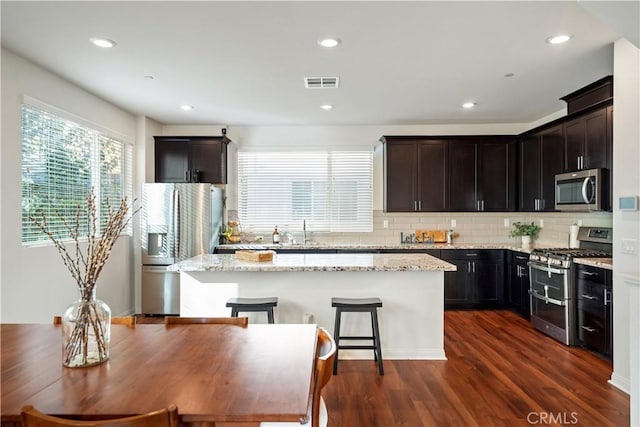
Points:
[[238, 321], [167, 417]]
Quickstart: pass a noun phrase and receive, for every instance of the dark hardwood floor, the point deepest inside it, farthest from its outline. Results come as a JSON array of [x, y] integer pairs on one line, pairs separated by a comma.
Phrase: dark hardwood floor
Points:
[[499, 372]]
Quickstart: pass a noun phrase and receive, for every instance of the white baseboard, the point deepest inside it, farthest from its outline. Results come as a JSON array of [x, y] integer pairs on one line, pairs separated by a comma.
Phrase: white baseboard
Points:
[[621, 383]]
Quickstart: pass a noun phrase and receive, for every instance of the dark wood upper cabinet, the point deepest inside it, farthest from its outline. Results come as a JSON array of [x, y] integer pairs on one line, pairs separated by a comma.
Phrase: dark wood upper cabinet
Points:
[[432, 176], [462, 176], [191, 159], [401, 171], [482, 174], [415, 175], [435, 174], [588, 141], [497, 175], [540, 161]]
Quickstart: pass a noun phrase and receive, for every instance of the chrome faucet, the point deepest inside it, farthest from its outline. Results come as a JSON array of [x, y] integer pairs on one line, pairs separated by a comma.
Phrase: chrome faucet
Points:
[[304, 232]]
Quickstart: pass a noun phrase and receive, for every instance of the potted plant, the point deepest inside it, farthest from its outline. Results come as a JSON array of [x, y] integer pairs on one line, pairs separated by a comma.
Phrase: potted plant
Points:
[[528, 232]]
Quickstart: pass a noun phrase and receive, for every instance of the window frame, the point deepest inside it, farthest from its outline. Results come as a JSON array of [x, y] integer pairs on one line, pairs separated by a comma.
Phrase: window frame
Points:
[[99, 141], [326, 189]]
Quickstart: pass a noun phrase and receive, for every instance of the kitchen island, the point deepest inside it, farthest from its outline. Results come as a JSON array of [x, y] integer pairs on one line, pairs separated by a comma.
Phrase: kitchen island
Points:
[[411, 287]]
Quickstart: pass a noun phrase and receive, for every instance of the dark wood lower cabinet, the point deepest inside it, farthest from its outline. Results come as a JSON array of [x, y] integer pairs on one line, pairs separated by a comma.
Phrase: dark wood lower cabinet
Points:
[[479, 280], [518, 284], [594, 308]]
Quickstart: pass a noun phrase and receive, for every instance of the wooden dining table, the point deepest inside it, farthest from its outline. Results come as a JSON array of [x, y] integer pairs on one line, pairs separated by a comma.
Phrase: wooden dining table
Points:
[[217, 375]]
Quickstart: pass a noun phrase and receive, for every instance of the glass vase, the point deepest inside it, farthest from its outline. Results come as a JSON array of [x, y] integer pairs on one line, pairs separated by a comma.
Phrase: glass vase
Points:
[[86, 329]]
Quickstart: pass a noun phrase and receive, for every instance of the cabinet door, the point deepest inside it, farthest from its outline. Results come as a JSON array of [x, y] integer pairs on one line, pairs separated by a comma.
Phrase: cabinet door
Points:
[[208, 161], [529, 178], [597, 143], [518, 284], [587, 142], [462, 176], [494, 178], [551, 165], [488, 283], [171, 159], [574, 133], [401, 173], [432, 176], [457, 285]]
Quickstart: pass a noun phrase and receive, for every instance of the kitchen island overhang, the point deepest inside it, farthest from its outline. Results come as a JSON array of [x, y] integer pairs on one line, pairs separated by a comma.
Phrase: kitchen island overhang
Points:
[[411, 287]]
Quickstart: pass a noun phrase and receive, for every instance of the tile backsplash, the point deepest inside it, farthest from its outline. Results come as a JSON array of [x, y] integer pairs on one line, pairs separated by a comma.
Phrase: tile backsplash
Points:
[[470, 227]]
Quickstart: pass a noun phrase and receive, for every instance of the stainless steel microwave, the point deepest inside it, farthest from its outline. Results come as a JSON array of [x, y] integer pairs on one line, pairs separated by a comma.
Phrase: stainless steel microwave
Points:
[[580, 191]]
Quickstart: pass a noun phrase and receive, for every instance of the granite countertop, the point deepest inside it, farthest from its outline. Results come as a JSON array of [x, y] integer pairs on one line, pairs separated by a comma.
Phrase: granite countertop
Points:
[[380, 246], [606, 263], [317, 262]]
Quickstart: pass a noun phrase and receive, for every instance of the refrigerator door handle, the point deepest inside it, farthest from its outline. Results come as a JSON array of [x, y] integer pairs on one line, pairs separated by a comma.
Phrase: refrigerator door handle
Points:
[[175, 212]]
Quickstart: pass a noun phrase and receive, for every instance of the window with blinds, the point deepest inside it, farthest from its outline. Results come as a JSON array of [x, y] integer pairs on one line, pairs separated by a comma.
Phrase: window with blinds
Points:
[[62, 162], [330, 190]]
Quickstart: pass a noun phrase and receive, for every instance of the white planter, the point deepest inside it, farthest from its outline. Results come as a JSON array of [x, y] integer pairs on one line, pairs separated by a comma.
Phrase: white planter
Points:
[[526, 242]]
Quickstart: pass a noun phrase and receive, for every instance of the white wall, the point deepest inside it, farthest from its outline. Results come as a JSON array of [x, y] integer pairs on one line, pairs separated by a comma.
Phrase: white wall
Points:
[[35, 284], [626, 180]]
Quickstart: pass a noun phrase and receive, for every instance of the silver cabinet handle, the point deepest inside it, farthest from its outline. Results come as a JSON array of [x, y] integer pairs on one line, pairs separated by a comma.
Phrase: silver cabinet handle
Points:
[[589, 297], [607, 297], [522, 258], [588, 273], [468, 267], [415, 205], [482, 205], [419, 205], [589, 329]]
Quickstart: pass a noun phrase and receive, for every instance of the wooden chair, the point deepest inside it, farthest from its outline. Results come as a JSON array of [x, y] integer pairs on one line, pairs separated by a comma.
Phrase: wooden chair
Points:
[[325, 353], [238, 321], [167, 417], [129, 321]]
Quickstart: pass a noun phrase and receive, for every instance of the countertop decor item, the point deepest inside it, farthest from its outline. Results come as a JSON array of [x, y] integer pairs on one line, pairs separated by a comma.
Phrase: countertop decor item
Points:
[[86, 323], [528, 232]]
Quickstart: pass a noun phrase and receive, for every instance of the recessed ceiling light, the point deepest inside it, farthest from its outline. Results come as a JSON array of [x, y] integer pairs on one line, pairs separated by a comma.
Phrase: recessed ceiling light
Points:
[[148, 77], [562, 38], [186, 107], [326, 106], [104, 43], [509, 75], [329, 42], [468, 105]]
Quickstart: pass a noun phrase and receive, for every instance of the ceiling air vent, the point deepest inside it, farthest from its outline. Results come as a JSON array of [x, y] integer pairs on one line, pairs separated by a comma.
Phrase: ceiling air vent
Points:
[[321, 82]]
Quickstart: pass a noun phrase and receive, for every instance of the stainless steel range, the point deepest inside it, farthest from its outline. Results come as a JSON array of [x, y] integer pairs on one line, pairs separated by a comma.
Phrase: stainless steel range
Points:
[[552, 291]]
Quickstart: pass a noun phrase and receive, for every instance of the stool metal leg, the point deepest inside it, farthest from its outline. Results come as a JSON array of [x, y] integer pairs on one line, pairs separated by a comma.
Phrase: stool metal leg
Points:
[[234, 312], [336, 337], [270, 316], [376, 337]]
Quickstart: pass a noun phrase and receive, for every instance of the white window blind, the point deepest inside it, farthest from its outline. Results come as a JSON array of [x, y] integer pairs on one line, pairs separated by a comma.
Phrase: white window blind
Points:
[[61, 162], [331, 190]]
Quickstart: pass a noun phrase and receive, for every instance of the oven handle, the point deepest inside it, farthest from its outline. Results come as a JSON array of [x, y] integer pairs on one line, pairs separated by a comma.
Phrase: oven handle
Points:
[[547, 269], [547, 299]]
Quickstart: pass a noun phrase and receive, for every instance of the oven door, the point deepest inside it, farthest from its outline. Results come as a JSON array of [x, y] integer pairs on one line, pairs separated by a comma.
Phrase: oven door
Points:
[[551, 302]]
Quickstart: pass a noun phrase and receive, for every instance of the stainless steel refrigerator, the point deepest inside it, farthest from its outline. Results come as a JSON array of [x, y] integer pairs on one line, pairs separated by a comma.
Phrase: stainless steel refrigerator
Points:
[[178, 221]]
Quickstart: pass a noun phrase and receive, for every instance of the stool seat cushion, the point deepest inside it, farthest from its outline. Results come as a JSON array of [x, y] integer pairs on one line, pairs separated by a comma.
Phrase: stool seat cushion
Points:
[[255, 302], [359, 302]]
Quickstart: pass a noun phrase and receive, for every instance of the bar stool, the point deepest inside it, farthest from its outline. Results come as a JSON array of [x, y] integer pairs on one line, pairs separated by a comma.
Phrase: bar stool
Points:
[[253, 304], [346, 305]]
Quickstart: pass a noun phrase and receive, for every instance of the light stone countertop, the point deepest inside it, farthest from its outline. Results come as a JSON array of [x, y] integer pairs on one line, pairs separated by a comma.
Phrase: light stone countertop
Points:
[[317, 262], [606, 263], [380, 246]]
